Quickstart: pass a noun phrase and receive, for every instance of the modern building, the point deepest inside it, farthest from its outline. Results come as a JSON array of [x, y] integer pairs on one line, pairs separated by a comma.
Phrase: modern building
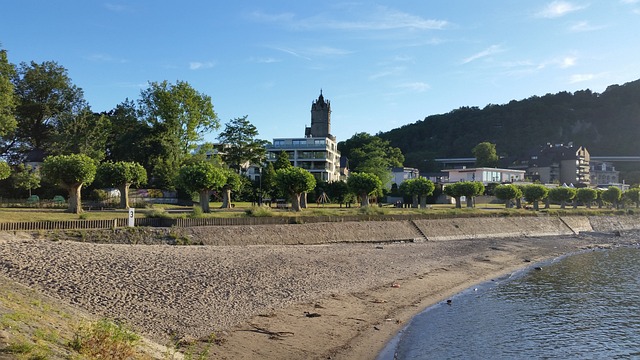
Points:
[[555, 164], [317, 151], [400, 174], [485, 175]]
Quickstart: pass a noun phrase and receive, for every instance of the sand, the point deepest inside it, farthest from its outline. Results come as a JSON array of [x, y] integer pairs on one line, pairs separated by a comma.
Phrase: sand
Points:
[[337, 301]]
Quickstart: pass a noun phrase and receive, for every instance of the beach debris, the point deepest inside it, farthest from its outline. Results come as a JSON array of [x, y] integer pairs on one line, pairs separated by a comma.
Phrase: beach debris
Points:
[[376, 328], [395, 285], [276, 335], [379, 301], [449, 302], [526, 260], [379, 247], [311, 315], [318, 306], [537, 268]]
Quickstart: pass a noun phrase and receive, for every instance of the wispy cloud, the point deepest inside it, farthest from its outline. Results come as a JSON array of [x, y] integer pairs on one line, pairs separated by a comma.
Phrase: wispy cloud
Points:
[[105, 58], [577, 78], [116, 7], [387, 72], [558, 9], [415, 86], [292, 52], [265, 60], [493, 49], [196, 65], [567, 62], [630, 1], [584, 26]]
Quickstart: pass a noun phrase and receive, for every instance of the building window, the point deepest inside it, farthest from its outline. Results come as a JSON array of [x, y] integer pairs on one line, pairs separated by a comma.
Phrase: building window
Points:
[[319, 142], [278, 142], [299, 142]]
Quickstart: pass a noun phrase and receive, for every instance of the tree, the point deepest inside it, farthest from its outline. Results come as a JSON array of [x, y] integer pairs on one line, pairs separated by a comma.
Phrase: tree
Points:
[[470, 189], [455, 191], [83, 132], [5, 170], [364, 185], [337, 191], [418, 188], [633, 195], [507, 193], [240, 144], [122, 174], [70, 172], [26, 178], [8, 100], [294, 181], [282, 161], [45, 93], [371, 154], [202, 177], [233, 183], [586, 196], [177, 116], [129, 138], [562, 194], [534, 193], [485, 153], [268, 180], [612, 195]]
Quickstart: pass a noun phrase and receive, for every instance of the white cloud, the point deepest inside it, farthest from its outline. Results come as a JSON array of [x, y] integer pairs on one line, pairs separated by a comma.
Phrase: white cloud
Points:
[[568, 62], [387, 72], [630, 1], [493, 49], [576, 78], [267, 60], [558, 9], [196, 65], [116, 7], [583, 26]]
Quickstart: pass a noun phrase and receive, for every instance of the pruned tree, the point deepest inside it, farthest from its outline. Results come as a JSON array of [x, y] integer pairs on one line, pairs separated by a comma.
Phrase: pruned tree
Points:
[[534, 193], [612, 195], [233, 183], [506, 193], [364, 185], [455, 191], [633, 195], [562, 195], [202, 177], [70, 172], [294, 181], [586, 196], [122, 175], [419, 189], [471, 189]]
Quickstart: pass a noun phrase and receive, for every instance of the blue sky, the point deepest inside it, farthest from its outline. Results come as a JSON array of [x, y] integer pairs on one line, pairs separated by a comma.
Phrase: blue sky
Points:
[[381, 64]]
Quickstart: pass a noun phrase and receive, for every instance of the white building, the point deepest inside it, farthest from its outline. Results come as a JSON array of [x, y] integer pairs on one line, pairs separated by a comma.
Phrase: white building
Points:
[[485, 175]]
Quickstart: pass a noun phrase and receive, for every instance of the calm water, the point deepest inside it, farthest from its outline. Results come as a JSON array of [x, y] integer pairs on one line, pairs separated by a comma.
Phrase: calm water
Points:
[[585, 306]]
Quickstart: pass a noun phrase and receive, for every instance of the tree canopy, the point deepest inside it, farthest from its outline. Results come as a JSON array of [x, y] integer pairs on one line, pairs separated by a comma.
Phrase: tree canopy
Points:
[[364, 185], [485, 154], [371, 154], [507, 192], [534, 193], [294, 181], [8, 121], [562, 194], [202, 177], [241, 145], [70, 172], [121, 174]]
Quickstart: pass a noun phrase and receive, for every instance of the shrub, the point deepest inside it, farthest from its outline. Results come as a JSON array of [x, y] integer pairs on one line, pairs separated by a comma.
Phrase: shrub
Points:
[[259, 211], [104, 340], [159, 213], [98, 195]]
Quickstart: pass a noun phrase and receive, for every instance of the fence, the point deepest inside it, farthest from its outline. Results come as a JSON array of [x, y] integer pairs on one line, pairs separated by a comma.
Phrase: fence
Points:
[[170, 222]]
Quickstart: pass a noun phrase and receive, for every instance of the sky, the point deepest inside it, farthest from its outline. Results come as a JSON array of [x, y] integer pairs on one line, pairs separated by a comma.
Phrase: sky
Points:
[[381, 64]]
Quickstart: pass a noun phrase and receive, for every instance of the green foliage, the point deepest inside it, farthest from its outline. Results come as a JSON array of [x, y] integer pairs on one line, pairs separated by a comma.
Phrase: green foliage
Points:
[[5, 170], [534, 193], [81, 132], [7, 97], [586, 196], [105, 340], [371, 154], [25, 178], [282, 161], [562, 194], [612, 195], [633, 195], [120, 173], [201, 176], [507, 192], [364, 185], [98, 195], [259, 211], [240, 144], [68, 171], [337, 191], [485, 154], [294, 181]]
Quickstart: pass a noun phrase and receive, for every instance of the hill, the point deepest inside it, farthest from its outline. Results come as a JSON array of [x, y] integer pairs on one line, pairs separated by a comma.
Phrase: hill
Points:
[[606, 123]]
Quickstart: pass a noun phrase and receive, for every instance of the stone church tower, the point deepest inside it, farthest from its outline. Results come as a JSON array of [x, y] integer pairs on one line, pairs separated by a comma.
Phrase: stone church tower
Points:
[[320, 119]]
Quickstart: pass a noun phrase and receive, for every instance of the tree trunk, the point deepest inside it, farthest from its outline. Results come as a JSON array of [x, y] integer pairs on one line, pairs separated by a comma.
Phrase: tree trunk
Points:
[[563, 204], [469, 201], [204, 201], [547, 203], [575, 203], [226, 198], [519, 203], [75, 202], [588, 203], [415, 200], [458, 204], [124, 196], [536, 206], [295, 202], [364, 199], [423, 202], [303, 200], [507, 204]]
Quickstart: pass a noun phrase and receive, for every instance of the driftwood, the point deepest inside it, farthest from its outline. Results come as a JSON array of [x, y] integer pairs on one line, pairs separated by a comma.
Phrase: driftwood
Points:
[[277, 335]]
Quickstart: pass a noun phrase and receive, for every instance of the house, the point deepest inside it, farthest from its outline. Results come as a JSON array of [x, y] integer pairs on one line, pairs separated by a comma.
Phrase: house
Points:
[[555, 163], [603, 172], [317, 151], [485, 175], [400, 174]]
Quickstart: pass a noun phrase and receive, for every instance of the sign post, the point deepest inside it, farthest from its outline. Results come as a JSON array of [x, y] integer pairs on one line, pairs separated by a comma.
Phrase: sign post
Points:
[[132, 220]]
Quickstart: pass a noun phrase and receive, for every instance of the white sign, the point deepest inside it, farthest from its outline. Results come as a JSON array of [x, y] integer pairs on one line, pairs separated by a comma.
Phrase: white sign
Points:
[[132, 220]]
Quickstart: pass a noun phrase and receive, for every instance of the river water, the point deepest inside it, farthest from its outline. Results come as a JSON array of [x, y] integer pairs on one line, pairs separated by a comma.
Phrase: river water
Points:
[[584, 306]]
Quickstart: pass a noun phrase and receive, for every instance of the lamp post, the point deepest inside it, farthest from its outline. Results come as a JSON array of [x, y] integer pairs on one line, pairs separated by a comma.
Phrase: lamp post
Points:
[[260, 194]]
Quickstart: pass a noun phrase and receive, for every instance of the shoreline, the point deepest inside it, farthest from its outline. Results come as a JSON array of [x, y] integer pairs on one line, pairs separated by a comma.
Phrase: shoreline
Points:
[[337, 301]]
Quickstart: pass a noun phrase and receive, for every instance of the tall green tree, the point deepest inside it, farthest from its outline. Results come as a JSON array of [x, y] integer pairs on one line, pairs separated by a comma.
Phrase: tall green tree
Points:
[[8, 100], [70, 172], [129, 137], [371, 154], [45, 93], [282, 161], [241, 145], [364, 185], [178, 116], [295, 181], [485, 154], [83, 132], [123, 175], [202, 177]]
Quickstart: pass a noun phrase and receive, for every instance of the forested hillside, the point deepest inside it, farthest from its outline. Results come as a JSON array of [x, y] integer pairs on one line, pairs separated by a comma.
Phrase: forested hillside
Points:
[[606, 123]]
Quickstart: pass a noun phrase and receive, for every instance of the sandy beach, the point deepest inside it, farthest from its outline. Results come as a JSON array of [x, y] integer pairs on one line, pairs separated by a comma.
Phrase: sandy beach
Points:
[[336, 301]]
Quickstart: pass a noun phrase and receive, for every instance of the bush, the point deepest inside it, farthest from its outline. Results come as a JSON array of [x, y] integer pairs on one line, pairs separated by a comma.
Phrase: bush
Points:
[[159, 213], [372, 210], [33, 199], [98, 195], [259, 211], [104, 340]]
